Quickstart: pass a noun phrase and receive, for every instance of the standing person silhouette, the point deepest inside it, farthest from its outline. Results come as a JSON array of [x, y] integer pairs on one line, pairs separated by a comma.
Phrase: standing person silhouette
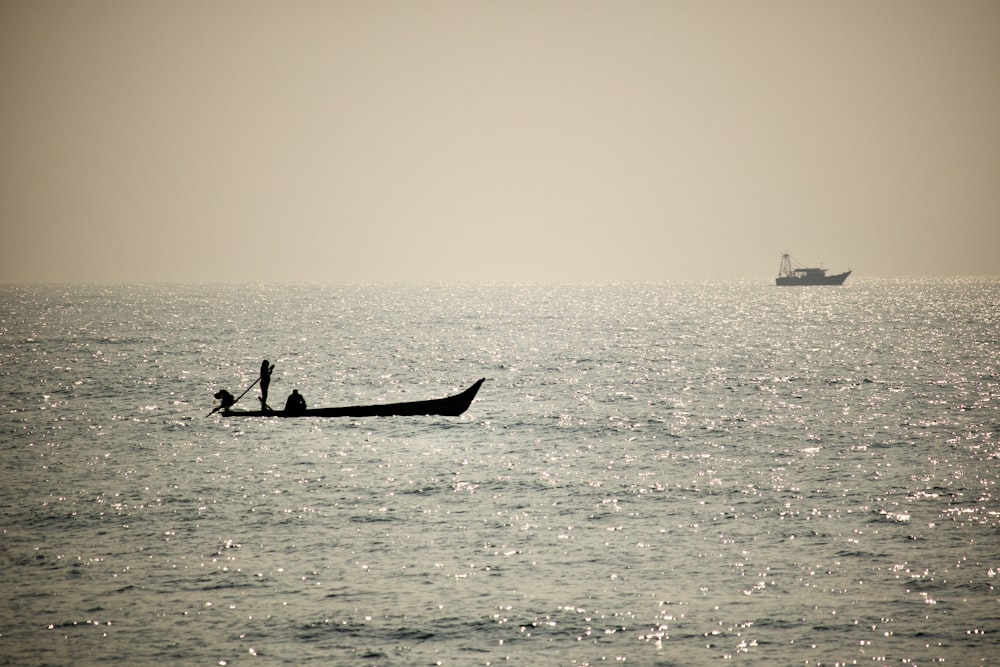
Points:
[[265, 382]]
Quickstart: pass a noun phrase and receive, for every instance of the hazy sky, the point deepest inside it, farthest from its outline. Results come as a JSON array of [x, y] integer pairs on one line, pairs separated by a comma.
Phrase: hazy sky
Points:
[[521, 140]]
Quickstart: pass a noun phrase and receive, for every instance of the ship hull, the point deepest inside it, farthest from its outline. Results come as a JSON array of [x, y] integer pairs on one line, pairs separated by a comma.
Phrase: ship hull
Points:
[[793, 280]]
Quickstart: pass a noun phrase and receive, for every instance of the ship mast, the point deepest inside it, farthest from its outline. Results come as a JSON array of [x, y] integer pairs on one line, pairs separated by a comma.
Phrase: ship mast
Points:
[[786, 265]]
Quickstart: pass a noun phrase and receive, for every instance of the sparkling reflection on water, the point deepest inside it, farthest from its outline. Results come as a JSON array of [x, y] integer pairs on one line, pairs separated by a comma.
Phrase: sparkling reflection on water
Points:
[[657, 474]]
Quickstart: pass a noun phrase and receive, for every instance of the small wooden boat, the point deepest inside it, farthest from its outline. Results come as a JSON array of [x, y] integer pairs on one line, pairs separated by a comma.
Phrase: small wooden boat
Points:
[[449, 406]]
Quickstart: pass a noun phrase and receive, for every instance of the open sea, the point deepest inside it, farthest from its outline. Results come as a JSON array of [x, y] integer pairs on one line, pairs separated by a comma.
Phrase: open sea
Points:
[[652, 474]]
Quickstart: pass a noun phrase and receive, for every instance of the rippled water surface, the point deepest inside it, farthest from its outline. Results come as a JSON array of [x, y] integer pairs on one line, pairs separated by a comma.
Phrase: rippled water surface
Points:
[[655, 474]]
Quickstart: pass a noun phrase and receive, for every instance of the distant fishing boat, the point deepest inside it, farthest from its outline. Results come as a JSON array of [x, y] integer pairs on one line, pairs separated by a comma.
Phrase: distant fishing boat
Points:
[[791, 274], [449, 406]]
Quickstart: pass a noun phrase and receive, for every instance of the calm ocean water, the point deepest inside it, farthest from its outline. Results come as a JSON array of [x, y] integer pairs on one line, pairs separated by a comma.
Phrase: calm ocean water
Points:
[[675, 474]]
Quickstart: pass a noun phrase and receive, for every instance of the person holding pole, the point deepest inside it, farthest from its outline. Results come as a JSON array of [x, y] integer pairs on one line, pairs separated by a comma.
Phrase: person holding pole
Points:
[[265, 382]]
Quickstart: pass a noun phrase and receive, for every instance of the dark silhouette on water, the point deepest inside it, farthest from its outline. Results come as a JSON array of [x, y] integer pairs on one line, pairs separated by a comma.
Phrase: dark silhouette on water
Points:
[[226, 399], [265, 383], [789, 275], [449, 406], [296, 404], [222, 393]]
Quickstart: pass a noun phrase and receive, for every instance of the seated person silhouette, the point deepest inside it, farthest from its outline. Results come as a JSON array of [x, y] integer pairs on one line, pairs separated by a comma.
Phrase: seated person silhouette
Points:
[[296, 404]]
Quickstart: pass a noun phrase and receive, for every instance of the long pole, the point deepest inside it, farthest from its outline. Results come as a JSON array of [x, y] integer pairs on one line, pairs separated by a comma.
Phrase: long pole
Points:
[[238, 398]]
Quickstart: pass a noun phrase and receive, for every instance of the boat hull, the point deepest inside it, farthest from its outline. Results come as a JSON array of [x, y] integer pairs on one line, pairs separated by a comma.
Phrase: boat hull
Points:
[[450, 406], [812, 279]]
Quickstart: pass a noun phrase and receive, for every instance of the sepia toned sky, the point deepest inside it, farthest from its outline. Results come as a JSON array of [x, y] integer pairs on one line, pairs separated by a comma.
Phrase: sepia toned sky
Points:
[[496, 140]]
